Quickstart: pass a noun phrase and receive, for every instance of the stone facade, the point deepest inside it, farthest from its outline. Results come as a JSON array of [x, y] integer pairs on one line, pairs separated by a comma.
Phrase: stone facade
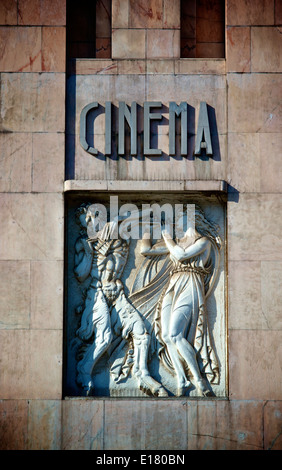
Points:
[[245, 91]]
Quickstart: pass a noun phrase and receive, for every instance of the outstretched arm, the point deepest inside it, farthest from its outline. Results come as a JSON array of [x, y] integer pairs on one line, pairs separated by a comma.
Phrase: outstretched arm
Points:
[[147, 250]]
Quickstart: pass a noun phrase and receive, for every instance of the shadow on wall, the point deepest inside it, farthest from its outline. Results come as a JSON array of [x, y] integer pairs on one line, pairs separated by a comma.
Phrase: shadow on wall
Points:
[[232, 194], [158, 137]]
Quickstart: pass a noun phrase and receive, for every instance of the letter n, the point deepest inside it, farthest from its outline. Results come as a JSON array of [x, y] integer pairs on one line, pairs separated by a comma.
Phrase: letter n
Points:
[[131, 118]]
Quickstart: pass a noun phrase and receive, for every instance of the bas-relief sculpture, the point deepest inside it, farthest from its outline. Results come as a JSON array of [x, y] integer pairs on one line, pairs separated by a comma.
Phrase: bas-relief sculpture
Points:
[[162, 318]]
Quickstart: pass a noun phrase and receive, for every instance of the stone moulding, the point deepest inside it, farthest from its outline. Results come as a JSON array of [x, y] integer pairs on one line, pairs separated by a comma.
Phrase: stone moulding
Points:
[[167, 185]]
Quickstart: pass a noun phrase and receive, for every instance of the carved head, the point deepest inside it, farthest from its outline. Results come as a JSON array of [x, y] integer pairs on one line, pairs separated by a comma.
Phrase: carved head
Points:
[[206, 227], [96, 219], [80, 215]]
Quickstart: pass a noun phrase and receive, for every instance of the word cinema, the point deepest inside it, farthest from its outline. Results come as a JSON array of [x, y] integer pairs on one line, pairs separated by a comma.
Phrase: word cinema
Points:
[[128, 117]]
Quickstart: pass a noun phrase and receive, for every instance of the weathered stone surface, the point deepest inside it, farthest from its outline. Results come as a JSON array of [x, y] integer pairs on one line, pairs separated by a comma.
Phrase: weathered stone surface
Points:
[[202, 425], [48, 162], [120, 14], [53, 57], [24, 55], [272, 425], [245, 295], [271, 293], [255, 295], [244, 174], [132, 67], [250, 12], [146, 14], [35, 364], [163, 43], [15, 162], [128, 43], [44, 425], [254, 102], [42, 12], [15, 294], [253, 162], [159, 416], [211, 425], [238, 54], [239, 425], [254, 227], [266, 49], [97, 66], [160, 66], [254, 359], [139, 424], [82, 425], [270, 162], [46, 307], [8, 12], [13, 424], [225, 425], [171, 14], [85, 167], [31, 226], [200, 66], [32, 102]]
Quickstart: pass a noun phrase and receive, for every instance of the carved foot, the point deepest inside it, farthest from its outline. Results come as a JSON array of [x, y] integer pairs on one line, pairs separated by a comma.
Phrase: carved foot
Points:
[[203, 389], [151, 387], [88, 387], [161, 392], [89, 391], [182, 389]]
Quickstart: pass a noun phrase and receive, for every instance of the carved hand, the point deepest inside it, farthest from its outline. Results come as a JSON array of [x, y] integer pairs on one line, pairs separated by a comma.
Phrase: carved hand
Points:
[[166, 235]]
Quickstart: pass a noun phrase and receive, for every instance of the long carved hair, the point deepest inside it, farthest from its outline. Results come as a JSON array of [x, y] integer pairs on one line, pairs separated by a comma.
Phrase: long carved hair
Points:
[[207, 228]]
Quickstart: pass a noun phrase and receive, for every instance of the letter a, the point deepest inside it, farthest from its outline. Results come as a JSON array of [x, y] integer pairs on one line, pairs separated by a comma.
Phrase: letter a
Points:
[[203, 138]]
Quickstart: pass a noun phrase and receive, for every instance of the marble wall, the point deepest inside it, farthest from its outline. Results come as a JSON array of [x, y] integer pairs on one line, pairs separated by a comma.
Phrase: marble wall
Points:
[[32, 124], [245, 91]]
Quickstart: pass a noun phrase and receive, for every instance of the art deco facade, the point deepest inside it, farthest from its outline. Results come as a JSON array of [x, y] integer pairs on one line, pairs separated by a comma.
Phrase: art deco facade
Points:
[[53, 63]]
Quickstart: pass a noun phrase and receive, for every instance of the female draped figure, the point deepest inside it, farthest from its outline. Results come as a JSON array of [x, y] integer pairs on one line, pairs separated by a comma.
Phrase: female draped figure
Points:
[[180, 313]]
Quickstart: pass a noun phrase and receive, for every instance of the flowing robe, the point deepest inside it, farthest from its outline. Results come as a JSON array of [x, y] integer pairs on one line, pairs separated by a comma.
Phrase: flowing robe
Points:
[[190, 283], [187, 288]]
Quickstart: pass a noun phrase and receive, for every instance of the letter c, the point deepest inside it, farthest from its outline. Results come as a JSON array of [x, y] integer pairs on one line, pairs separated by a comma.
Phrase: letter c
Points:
[[83, 128]]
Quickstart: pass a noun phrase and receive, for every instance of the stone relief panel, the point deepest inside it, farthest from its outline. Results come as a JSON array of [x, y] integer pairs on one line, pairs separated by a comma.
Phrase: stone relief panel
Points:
[[145, 297]]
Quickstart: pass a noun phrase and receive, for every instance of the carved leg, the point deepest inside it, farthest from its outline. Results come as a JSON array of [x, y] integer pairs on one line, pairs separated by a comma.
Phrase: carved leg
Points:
[[188, 353], [182, 382], [84, 370], [134, 326], [92, 355], [180, 318], [203, 389], [140, 368]]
